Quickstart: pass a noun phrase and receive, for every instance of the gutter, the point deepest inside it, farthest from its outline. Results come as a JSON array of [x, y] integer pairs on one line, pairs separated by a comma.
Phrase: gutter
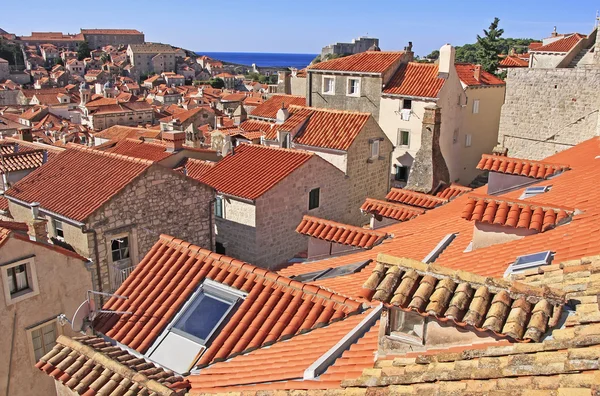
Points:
[[322, 363], [96, 257]]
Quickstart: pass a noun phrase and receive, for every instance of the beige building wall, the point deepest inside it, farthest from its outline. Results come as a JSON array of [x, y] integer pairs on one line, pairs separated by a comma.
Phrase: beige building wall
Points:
[[102, 121], [236, 230], [62, 283]]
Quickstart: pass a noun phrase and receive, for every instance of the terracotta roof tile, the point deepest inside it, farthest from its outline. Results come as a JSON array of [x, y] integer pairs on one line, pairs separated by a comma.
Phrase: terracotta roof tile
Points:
[[416, 79], [466, 75], [90, 365], [515, 213], [253, 170], [414, 198], [390, 210], [452, 191], [271, 106], [502, 307], [513, 61], [344, 234], [175, 268], [110, 31], [139, 149], [120, 132], [256, 125], [197, 168], [78, 181], [22, 160], [521, 167], [364, 62], [562, 45]]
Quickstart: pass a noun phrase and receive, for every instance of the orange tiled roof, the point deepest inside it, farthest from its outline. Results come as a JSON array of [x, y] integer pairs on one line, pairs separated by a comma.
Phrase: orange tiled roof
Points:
[[391, 210], [110, 31], [514, 213], [197, 168], [416, 79], [364, 62], [344, 234], [78, 181], [270, 107], [452, 191], [253, 170], [513, 61], [562, 45], [22, 160], [414, 198], [520, 167], [256, 125], [276, 307], [120, 132], [334, 129], [466, 74], [183, 116], [139, 149]]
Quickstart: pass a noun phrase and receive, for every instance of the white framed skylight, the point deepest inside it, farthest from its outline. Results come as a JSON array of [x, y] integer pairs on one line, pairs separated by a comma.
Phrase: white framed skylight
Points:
[[328, 273], [529, 261], [533, 191]]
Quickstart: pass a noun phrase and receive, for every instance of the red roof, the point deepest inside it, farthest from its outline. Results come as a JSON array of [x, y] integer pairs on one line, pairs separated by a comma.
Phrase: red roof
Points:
[[276, 307], [414, 198], [139, 149], [391, 210], [196, 168], [466, 74], [513, 61], [416, 79], [78, 181], [514, 213], [327, 128], [256, 125], [452, 191], [110, 31], [253, 170], [364, 62], [535, 45], [520, 167], [562, 45], [120, 132], [344, 234], [27, 159], [270, 107]]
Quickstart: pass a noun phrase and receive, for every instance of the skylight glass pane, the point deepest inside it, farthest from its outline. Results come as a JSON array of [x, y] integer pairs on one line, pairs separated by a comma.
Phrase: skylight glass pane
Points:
[[345, 270], [202, 317], [535, 190], [533, 258]]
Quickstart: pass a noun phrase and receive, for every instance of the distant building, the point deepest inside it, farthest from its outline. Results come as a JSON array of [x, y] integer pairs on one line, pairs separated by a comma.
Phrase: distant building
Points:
[[97, 38], [154, 57], [361, 44]]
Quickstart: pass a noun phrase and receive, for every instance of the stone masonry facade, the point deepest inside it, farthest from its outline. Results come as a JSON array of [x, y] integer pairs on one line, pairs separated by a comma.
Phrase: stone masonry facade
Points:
[[549, 110]]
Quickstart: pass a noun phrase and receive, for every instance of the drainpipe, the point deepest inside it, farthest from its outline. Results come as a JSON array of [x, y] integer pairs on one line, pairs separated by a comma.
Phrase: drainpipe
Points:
[[97, 257], [211, 224], [309, 87]]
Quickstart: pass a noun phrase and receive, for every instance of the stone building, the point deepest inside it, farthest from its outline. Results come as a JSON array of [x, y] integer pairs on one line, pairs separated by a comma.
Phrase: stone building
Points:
[[38, 282], [354, 82], [110, 207], [189, 121], [98, 38], [69, 41], [4, 69], [262, 194], [154, 57], [469, 99], [360, 44]]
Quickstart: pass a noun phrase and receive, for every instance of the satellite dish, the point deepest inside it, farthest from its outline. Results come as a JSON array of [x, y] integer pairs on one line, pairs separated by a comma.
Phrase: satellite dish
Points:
[[81, 316]]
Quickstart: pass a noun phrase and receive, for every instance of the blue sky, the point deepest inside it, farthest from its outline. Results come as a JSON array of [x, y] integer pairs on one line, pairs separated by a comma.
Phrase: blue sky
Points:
[[302, 26]]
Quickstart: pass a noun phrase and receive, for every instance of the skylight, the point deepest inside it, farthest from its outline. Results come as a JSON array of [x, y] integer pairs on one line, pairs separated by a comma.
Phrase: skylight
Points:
[[533, 191], [529, 261], [328, 273], [440, 247]]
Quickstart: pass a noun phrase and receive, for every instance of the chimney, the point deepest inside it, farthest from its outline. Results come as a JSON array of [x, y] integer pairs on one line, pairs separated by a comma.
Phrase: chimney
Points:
[[45, 157], [477, 72], [174, 140], [282, 114], [429, 167], [37, 226], [409, 52], [445, 61], [554, 32]]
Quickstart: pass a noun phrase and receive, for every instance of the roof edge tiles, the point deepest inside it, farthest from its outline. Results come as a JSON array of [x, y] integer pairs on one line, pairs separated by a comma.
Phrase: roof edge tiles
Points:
[[344, 234], [521, 167], [415, 198], [506, 308], [390, 210], [515, 213], [109, 154]]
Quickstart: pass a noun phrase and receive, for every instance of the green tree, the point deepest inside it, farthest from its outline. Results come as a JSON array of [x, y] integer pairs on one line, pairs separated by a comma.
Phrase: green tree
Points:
[[105, 58], [489, 47], [83, 50], [217, 83], [59, 61], [11, 52], [253, 76], [433, 55]]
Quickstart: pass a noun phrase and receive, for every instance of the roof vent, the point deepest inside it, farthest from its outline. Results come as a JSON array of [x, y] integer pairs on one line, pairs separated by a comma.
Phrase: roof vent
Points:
[[529, 261], [440, 247]]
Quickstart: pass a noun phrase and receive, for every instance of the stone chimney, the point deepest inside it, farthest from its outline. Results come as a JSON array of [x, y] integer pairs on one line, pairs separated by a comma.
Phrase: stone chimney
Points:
[[174, 140], [429, 167], [284, 82], [282, 114], [445, 61], [477, 72], [239, 115], [37, 226]]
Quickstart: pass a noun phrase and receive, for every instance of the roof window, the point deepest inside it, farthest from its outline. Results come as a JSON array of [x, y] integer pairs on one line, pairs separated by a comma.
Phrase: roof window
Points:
[[440, 247], [533, 191], [529, 261], [328, 273]]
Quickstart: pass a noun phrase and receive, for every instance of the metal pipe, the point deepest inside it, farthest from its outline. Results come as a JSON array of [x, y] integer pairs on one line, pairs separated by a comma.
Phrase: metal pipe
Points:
[[96, 256], [12, 345]]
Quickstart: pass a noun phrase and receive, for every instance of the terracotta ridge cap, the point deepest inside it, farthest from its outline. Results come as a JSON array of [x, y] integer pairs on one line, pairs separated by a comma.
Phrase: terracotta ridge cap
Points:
[[109, 154], [394, 204], [537, 162], [19, 153], [495, 285], [114, 366], [344, 226], [529, 204], [420, 194]]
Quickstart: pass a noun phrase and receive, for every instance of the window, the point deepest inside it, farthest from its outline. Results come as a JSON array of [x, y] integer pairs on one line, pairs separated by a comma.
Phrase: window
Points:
[[313, 199], [402, 173], [119, 248], [533, 191], [219, 207], [529, 261], [58, 228], [353, 88], [475, 106], [219, 248], [43, 338], [286, 143], [329, 85], [17, 279], [468, 140], [407, 104], [406, 326], [375, 149], [403, 138]]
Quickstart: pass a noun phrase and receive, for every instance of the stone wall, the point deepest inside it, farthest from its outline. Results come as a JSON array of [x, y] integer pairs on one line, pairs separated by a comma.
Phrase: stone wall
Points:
[[548, 110], [280, 210], [237, 229]]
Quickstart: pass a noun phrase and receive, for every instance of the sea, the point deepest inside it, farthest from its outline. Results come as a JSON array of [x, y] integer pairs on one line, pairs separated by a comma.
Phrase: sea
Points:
[[264, 59]]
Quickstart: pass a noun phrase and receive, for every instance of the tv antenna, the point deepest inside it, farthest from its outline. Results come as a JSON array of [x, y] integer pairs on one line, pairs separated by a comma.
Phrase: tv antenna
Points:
[[87, 311]]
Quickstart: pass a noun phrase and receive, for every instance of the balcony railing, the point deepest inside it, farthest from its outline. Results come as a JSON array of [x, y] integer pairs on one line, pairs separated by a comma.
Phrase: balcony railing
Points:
[[119, 275]]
